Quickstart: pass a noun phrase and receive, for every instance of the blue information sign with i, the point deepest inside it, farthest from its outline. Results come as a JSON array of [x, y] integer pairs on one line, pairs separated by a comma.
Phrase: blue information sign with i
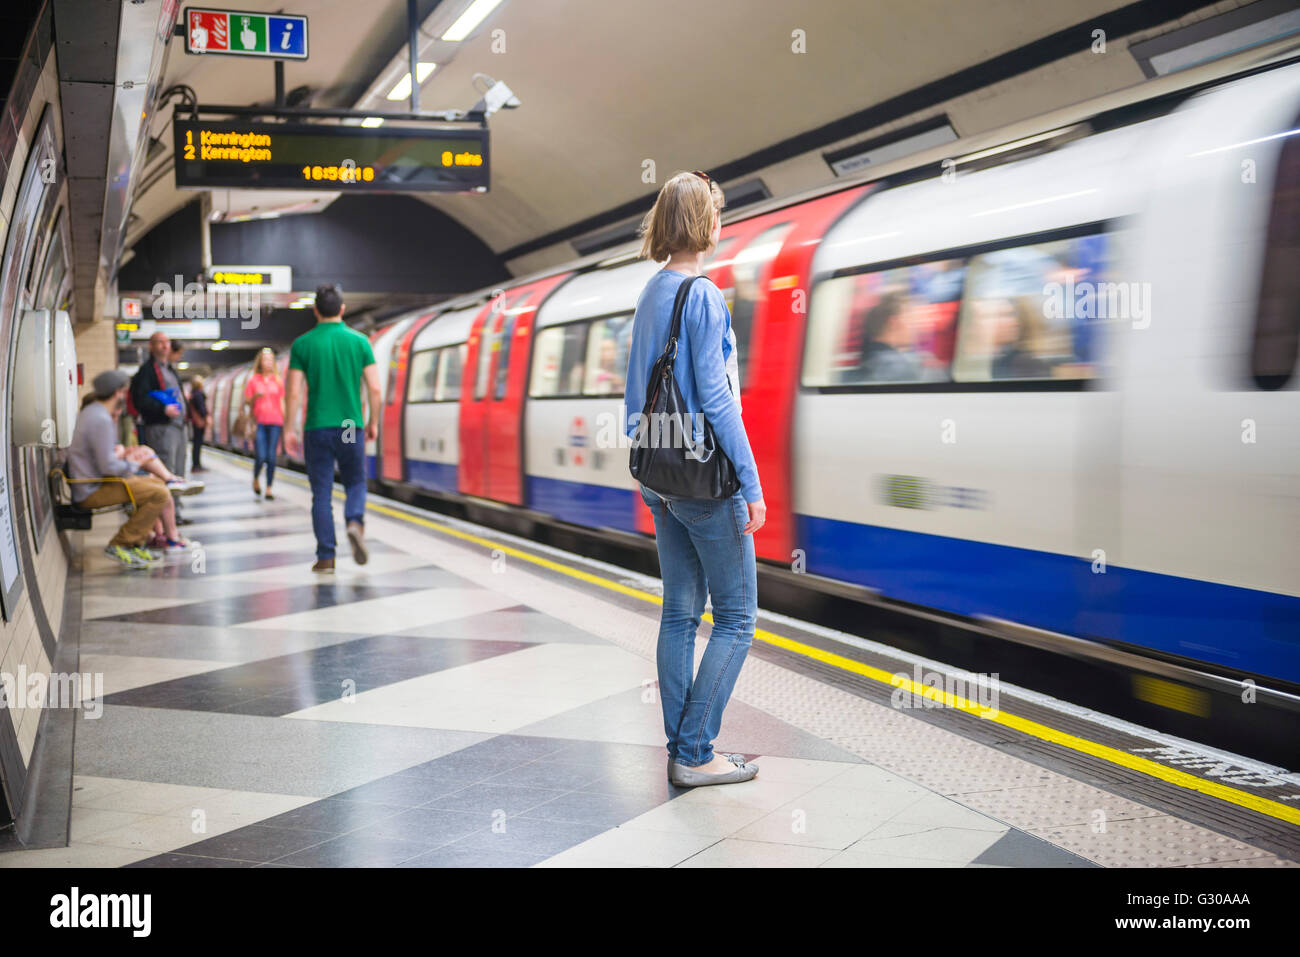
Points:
[[287, 36]]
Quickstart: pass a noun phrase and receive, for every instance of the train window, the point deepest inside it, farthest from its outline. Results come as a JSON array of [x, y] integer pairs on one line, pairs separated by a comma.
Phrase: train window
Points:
[[1277, 324], [720, 254], [449, 369], [503, 358], [607, 345], [390, 393], [747, 273], [422, 376], [1015, 323], [507, 337], [489, 342], [884, 327], [558, 360]]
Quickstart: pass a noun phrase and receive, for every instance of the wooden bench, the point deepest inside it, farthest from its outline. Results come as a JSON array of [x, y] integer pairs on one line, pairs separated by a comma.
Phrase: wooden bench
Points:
[[70, 514]]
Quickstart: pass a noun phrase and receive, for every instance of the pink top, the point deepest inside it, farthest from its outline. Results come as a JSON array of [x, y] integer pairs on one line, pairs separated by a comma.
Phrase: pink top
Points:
[[268, 407]]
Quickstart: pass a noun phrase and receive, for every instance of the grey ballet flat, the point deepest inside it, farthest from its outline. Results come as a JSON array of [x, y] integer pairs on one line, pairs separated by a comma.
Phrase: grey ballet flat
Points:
[[688, 777]]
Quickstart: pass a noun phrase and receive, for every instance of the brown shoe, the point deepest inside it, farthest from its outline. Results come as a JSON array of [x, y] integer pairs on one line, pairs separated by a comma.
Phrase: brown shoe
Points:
[[257, 487], [357, 536], [323, 565]]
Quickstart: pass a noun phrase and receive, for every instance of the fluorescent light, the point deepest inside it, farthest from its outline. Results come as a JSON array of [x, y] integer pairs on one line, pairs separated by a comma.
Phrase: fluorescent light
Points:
[[220, 344], [182, 365], [370, 122], [402, 91], [474, 14]]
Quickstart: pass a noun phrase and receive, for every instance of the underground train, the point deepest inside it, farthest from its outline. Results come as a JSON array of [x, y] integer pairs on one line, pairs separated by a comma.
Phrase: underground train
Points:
[[1052, 388]]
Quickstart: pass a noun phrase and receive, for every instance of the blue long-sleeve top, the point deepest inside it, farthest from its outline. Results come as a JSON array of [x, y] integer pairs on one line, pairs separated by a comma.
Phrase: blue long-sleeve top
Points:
[[705, 368]]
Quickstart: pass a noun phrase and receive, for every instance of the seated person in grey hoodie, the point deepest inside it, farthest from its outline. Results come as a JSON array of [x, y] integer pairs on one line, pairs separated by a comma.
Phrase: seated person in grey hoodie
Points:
[[94, 453]]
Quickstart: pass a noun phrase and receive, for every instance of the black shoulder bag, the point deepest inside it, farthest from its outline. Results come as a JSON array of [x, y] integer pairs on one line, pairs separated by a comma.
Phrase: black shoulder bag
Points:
[[664, 456]]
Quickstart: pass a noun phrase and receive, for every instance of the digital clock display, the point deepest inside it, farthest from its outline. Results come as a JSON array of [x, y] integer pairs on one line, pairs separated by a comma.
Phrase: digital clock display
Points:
[[296, 156]]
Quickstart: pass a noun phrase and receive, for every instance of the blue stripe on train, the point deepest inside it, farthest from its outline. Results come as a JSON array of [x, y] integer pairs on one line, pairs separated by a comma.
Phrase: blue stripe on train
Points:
[[1242, 628], [582, 503], [372, 466], [438, 476]]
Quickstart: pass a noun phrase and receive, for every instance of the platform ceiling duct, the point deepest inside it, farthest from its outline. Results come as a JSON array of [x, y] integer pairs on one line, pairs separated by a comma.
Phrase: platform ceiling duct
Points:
[[110, 58]]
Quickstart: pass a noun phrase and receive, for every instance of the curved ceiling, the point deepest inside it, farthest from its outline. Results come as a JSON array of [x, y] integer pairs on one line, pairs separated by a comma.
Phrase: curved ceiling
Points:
[[607, 86]]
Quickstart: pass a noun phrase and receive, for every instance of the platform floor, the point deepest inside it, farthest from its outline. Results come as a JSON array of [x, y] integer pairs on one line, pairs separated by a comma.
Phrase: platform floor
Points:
[[450, 705]]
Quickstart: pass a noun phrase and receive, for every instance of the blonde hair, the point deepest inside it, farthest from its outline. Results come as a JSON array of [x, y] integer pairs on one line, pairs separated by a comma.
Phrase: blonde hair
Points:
[[257, 362], [681, 220]]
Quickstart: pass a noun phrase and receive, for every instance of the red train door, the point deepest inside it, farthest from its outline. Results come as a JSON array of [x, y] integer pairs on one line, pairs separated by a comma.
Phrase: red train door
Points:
[[471, 472], [492, 403], [392, 453], [781, 283]]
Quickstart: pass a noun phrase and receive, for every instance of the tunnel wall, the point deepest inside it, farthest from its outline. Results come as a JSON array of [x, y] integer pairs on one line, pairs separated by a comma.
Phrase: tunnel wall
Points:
[[371, 243], [36, 273]]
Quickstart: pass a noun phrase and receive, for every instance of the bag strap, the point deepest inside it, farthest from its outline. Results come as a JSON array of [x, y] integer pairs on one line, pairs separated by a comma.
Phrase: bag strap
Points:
[[679, 306], [669, 356]]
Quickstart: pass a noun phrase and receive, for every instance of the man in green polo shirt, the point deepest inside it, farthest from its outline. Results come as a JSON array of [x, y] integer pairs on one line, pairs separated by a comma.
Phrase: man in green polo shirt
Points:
[[333, 361]]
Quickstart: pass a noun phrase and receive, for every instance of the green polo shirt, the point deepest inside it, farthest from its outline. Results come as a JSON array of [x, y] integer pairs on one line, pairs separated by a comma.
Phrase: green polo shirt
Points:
[[332, 357]]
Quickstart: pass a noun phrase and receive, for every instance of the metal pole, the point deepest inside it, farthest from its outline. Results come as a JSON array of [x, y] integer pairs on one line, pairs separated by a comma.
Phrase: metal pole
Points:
[[205, 230], [279, 83], [412, 38]]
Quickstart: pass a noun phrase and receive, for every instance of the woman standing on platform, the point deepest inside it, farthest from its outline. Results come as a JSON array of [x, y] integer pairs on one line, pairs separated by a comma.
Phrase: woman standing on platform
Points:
[[264, 394], [198, 406], [706, 546]]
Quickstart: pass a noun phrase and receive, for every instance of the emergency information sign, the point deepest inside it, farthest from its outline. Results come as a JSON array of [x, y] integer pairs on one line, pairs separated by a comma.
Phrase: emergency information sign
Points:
[[238, 32]]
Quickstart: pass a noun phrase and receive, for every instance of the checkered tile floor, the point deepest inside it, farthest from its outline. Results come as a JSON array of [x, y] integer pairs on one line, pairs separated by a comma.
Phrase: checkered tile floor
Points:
[[434, 709]]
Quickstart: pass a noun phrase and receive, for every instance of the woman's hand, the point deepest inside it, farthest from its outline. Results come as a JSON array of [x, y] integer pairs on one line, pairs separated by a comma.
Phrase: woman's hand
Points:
[[119, 451], [757, 516]]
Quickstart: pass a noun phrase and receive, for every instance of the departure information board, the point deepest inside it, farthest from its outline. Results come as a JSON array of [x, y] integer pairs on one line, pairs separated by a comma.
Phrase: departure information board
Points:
[[221, 155]]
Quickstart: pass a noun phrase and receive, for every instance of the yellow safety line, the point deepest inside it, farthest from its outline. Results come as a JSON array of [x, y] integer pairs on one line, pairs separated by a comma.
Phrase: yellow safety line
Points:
[[1034, 729]]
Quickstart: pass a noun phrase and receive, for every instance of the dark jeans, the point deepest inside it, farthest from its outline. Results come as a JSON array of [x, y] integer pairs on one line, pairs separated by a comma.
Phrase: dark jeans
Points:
[[197, 446], [268, 441], [322, 448]]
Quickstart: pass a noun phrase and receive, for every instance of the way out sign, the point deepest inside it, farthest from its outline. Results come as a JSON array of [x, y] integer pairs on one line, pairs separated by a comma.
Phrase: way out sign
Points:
[[238, 32]]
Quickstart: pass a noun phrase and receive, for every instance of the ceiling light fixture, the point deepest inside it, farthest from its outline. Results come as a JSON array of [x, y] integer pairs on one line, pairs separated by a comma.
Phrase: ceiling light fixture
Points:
[[474, 14], [402, 91]]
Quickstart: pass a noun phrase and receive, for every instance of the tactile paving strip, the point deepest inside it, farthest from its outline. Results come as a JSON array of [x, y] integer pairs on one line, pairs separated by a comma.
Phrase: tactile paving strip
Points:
[[1157, 841], [918, 750]]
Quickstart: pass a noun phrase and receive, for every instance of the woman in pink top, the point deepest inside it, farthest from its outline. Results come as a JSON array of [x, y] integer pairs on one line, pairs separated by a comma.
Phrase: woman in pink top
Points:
[[264, 393]]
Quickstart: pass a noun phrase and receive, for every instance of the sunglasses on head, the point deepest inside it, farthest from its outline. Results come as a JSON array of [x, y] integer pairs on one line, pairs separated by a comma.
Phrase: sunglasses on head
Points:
[[702, 175]]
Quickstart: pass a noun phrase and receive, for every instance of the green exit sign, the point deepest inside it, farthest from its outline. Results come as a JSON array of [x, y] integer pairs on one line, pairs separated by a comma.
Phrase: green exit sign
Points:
[[245, 33]]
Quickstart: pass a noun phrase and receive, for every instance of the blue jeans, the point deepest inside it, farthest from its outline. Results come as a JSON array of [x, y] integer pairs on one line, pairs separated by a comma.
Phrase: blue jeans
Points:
[[702, 551], [268, 441], [322, 448]]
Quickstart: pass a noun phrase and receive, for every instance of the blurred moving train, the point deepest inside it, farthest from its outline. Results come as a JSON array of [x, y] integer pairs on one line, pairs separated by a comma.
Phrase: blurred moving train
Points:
[[1055, 392]]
